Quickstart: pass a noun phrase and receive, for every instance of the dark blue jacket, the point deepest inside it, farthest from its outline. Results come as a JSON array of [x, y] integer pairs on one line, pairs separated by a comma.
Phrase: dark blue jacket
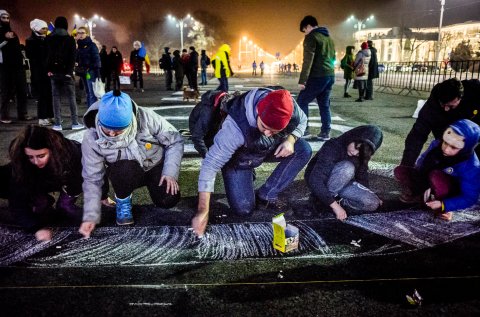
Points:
[[87, 55]]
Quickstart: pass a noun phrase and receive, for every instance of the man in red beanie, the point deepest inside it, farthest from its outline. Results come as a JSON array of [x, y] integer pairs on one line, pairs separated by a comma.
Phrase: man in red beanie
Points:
[[262, 125]]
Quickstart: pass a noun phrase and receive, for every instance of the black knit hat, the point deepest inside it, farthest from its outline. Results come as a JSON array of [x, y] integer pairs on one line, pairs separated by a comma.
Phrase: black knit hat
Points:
[[61, 23]]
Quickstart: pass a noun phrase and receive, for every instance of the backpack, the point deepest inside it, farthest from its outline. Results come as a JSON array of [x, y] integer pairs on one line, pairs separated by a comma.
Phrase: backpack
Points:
[[206, 119], [58, 52], [343, 62], [207, 60]]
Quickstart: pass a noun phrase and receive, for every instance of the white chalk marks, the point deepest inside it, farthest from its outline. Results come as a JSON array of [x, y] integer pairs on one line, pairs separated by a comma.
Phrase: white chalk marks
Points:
[[149, 246], [419, 228]]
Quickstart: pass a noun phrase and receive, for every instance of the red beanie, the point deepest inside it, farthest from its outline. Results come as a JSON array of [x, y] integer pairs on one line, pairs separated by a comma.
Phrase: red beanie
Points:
[[364, 45], [276, 109]]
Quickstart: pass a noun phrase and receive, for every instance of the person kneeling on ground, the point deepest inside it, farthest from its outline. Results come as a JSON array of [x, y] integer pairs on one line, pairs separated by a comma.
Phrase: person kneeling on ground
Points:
[[338, 174], [261, 125], [42, 161], [135, 147], [447, 173]]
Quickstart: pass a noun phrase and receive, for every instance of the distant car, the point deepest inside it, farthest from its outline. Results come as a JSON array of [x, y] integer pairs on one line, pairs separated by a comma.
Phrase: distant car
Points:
[[419, 68], [381, 68]]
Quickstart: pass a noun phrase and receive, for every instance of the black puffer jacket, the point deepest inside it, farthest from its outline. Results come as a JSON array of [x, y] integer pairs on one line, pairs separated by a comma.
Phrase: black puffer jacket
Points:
[[335, 150]]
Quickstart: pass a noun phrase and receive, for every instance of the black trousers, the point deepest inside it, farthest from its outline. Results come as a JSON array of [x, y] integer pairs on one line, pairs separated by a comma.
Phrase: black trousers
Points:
[[126, 176]]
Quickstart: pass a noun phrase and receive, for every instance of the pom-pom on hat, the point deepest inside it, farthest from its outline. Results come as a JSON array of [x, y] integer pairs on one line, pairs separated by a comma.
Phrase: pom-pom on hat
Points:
[[364, 45], [37, 24], [275, 110], [115, 111]]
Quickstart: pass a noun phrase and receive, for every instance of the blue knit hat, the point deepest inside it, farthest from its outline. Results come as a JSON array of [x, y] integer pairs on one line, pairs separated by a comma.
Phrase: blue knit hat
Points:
[[115, 111]]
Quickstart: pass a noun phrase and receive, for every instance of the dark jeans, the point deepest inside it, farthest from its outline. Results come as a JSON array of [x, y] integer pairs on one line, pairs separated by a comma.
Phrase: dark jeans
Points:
[[223, 86], [63, 84], [369, 89], [113, 80], [194, 79], [442, 184], [13, 84], [319, 88], [168, 79], [126, 176], [88, 84], [204, 76], [239, 185], [137, 76], [43, 87], [348, 82]]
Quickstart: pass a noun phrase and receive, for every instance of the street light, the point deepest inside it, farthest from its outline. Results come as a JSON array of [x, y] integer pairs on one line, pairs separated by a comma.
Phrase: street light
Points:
[[181, 24], [442, 3], [90, 22], [360, 24]]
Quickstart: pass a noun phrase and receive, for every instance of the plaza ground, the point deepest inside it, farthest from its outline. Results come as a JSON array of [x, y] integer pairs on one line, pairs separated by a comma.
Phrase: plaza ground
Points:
[[363, 267]]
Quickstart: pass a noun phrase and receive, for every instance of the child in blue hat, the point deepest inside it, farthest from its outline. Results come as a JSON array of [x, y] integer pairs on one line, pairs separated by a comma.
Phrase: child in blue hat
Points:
[[135, 147]]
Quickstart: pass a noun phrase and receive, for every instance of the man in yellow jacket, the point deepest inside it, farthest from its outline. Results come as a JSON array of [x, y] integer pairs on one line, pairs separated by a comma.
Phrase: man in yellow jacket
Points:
[[221, 64]]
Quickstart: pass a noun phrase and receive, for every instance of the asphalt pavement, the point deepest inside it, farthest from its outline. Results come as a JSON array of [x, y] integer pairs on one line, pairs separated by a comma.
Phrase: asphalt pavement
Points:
[[365, 266]]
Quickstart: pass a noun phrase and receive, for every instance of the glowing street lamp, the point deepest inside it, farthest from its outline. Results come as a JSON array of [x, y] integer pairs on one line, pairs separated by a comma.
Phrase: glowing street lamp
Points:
[[181, 24], [360, 24], [90, 23]]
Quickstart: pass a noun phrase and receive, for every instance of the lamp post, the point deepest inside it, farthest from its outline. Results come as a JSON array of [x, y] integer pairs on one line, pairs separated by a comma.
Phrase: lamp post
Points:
[[360, 24], [181, 24], [90, 23], [437, 53]]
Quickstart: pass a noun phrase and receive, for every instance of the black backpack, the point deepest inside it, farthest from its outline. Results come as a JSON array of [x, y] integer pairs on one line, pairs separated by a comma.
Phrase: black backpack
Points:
[[207, 60], [206, 119]]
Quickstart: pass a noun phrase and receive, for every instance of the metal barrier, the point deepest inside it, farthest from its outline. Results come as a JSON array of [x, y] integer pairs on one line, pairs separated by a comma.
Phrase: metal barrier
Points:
[[413, 77]]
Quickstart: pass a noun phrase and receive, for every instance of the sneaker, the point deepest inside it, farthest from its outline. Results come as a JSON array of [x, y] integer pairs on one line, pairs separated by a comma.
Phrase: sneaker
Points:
[[124, 211], [6, 121], [346, 95], [77, 126], [277, 206], [57, 127], [142, 90], [359, 100], [307, 135], [44, 122], [324, 136]]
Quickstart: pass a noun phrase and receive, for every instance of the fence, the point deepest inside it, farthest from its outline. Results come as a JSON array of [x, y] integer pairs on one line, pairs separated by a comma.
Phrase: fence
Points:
[[413, 77]]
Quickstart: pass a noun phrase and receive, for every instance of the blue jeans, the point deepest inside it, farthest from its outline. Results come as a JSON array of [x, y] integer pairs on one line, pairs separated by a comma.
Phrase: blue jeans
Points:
[[355, 196], [239, 185], [88, 84], [204, 76], [66, 85], [319, 88], [223, 86]]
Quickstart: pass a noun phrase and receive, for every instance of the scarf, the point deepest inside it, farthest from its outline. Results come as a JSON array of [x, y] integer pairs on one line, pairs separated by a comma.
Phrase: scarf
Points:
[[125, 141]]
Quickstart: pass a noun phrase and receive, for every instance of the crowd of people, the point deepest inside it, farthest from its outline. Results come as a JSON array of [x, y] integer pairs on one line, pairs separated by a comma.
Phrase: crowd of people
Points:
[[128, 146]]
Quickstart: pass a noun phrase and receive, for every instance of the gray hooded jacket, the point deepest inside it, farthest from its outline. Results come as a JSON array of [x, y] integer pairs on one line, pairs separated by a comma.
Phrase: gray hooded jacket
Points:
[[156, 141]]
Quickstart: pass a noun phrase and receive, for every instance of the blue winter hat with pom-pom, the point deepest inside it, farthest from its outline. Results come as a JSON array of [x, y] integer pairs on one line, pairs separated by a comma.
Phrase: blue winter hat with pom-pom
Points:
[[115, 111]]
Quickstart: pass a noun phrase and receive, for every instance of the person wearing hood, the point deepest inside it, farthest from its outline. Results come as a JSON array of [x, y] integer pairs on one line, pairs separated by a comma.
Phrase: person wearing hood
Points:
[[204, 62], [362, 59], [136, 62], [193, 66], [13, 79], [60, 63], [221, 64], [347, 65], [87, 63], [262, 125], [166, 64], [318, 72], [447, 174], [372, 71], [37, 52], [135, 147], [338, 174]]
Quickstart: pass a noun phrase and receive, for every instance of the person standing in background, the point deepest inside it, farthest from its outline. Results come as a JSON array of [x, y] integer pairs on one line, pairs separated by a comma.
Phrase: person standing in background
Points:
[[372, 71], [136, 62]]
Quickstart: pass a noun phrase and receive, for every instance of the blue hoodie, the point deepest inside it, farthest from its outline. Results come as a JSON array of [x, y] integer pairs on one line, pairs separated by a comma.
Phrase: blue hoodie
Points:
[[466, 171]]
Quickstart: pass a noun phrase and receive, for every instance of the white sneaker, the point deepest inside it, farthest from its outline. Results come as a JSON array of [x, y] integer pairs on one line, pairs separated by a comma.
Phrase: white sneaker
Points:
[[77, 126], [57, 128], [44, 122]]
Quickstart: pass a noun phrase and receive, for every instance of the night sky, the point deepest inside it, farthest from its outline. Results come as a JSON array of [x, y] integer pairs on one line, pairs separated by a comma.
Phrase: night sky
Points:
[[272, 24]]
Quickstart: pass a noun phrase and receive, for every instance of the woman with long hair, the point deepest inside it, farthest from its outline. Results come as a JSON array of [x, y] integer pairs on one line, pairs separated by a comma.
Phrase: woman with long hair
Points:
[[42, 161]]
